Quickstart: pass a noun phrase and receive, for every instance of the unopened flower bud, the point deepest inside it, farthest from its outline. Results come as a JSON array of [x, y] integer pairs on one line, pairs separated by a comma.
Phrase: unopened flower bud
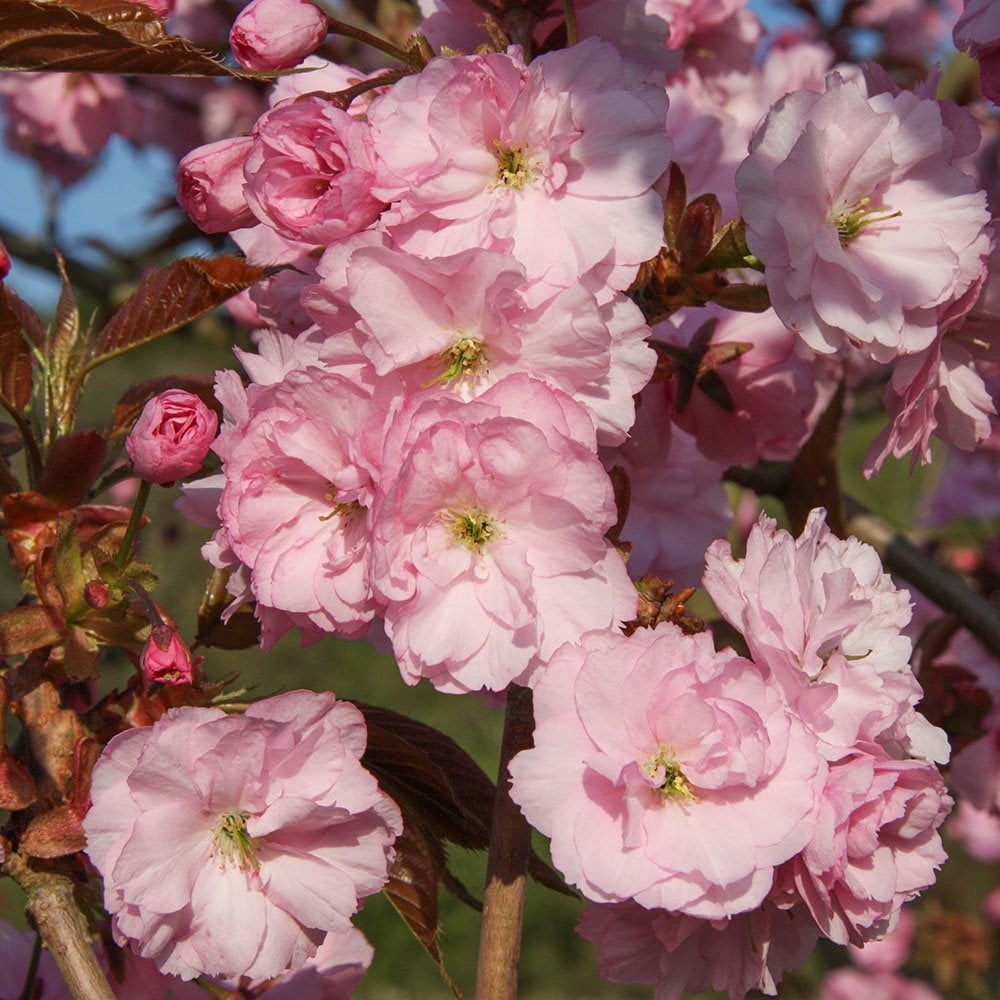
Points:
[[171, 437], [165, 659], [4, 262], [96, 594], [276, 34], [210, 185]]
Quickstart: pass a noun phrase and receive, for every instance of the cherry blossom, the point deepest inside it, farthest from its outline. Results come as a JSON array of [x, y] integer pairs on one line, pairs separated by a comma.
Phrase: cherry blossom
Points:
[[229, 844]]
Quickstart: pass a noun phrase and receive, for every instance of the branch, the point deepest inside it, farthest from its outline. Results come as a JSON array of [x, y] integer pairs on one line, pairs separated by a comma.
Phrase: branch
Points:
[[507, 868], [96, 281], [944, 587], [898, 554], [62, 927]]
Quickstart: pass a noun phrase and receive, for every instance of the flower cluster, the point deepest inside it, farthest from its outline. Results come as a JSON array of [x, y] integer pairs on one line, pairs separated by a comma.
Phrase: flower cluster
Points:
[[722, 812]]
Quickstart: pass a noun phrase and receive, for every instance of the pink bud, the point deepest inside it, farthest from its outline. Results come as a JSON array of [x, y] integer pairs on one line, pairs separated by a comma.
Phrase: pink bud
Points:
[[4, 261], [165, 658], [276, 34], [171, 437], [210, 185]]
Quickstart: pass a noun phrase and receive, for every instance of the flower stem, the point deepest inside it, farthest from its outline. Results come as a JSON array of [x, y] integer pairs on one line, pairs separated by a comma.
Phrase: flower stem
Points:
[[63, 929], [507, 867], [133, 523], [572, 34]]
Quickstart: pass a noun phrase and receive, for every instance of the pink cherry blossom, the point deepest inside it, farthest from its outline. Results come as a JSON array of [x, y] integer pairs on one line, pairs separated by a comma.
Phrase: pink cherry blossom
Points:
[[229, 844], [821, 612], [891, 952], [978, 831], [276, 34], [682, 955], [300, 460], [755, 405], [863, 221], [464, 322], [488, 547], [172, 436], [310, 171], [677, 506], [667, 773], [977, 32], [65, 120], [483, 151], [849, 984], [876, 845], [165, 658]]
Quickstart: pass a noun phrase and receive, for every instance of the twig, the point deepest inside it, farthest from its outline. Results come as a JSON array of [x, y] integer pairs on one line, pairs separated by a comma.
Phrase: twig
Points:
[[507, 868], [944, 587], [63, 929]]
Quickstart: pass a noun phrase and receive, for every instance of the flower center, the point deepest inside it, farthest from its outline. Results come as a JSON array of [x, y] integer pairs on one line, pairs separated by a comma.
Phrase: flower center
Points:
[[472, 527], [465, 359], [345, 509], [515, 167], [666, 776], [233, 843], [850, 221]]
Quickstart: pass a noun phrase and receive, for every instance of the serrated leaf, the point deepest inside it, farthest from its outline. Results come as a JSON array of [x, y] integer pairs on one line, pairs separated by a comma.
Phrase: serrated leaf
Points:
[[417, 764], [66, 325], [170, 298], [100, 36], [431, 777], [15, 361], [31, 322], [418, 867], [71, 467]]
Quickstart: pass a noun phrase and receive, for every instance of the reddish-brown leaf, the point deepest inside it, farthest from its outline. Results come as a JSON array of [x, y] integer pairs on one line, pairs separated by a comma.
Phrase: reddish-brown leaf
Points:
[[15, 361], [54, 834], [169, 298], [31, 323], [71, 467], [29, 627], [66, 325], [129, 407], [53, 733], [421, 767], [99, 36], [412, 888], [241, 631]]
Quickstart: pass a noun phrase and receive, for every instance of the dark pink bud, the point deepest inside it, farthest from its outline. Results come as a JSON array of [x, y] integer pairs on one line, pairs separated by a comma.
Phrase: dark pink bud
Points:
[[210, 185], [171, 437], [165, 659], [4, 261], [96, 594], [276, 34]]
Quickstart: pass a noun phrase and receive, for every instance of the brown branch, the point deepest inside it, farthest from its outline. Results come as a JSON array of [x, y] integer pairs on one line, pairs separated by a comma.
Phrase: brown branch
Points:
[[62, 927], [898, 554], [507, 868], [944, 587]]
